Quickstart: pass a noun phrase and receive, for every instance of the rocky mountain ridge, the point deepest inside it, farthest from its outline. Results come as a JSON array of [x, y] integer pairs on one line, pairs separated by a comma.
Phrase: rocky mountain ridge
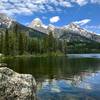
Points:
[[11, 24], [36, 28], [5, 21], [68, 32]]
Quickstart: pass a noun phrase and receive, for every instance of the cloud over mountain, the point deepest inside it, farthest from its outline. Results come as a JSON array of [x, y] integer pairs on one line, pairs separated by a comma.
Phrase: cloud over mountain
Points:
[[82, 22], [54, 19]]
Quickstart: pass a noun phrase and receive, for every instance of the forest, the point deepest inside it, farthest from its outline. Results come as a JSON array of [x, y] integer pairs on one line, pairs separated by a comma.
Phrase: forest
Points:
[[17, 42]]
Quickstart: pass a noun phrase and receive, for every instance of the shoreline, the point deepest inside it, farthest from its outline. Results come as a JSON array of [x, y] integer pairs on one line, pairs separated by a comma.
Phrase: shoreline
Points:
[[33, 55]]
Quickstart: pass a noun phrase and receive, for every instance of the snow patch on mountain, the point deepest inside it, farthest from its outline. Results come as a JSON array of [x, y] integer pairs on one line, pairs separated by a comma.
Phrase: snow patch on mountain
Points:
[[5, 21], [37, 24]]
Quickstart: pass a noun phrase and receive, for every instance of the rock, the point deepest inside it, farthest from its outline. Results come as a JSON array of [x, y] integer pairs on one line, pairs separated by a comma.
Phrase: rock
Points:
[[14, 86], [3, 64]]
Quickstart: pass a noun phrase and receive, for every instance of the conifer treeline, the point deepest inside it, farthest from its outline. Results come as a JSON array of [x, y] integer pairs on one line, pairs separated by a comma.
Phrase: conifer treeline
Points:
[[18, 43]]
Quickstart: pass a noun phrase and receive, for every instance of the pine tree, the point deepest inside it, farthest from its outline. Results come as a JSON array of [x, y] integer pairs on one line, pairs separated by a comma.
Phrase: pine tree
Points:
[[21, 44], [16, 34], [1, 42], [50, 42], [6, 43]]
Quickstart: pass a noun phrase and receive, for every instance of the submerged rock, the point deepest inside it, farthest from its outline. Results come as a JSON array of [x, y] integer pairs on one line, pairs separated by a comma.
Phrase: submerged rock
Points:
[[14, 86]]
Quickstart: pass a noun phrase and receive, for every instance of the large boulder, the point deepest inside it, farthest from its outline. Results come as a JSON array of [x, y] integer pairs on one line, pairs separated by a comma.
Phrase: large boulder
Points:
[[14, 86]]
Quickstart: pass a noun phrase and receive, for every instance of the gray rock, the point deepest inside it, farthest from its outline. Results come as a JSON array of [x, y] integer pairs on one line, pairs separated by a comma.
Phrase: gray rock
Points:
[[3, 64], [14, 86]]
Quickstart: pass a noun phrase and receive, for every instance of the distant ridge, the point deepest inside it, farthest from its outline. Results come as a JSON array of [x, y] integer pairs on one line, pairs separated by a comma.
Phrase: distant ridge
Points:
[[70, 32], [7, 22]]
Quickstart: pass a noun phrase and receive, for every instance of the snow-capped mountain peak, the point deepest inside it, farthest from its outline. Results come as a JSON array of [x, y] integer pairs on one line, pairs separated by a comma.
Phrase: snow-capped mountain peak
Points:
[[72, 25], [68, 31], [5, 21], [36, 23], [51, 27]]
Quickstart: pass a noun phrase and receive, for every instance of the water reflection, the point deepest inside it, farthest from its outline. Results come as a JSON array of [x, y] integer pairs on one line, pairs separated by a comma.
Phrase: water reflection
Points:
[[83, 55], [83, 87], [62, 78]]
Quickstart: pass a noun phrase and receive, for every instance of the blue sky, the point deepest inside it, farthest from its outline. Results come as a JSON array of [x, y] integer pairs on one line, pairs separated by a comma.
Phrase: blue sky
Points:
[[57, 12]]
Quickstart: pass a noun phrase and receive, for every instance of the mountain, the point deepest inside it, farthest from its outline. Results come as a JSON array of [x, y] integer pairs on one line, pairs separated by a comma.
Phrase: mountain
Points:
[[74, 32], [38, 25], [7, 22], [71, 32], [69, 38]]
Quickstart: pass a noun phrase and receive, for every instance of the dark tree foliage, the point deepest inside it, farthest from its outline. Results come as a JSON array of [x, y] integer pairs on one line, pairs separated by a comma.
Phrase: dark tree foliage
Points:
[[6, 43], [18, 43]]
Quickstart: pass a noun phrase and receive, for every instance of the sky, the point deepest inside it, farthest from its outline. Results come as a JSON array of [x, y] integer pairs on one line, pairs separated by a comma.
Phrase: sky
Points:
[[85, 13]]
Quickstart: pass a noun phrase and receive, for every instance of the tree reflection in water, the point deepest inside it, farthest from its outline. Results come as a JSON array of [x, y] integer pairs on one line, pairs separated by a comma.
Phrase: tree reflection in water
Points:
[[62, 78], [83, 87]]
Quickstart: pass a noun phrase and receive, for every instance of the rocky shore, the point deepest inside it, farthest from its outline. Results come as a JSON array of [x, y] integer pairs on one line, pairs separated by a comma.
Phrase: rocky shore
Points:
[[15, 86]]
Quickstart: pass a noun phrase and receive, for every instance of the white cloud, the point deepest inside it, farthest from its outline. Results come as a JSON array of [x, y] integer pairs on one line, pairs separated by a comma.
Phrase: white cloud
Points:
[[84, 2], [95, 1], [65, 4], [28, 7], [81, 2], [54, 19], [82, 22]]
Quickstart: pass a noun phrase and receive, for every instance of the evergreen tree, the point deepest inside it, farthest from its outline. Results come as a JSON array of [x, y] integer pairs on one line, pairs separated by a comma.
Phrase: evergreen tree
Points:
[[6, 43], [16, 34], [18, 43], [21, 44], [1, 42], [50, 42]]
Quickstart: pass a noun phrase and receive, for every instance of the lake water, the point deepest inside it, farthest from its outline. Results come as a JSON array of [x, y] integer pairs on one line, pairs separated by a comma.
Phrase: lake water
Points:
[[74, 77]]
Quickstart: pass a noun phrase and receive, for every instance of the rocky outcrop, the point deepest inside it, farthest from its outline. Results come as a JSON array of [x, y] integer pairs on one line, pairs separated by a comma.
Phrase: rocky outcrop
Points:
[[3, 64], [14, 86]]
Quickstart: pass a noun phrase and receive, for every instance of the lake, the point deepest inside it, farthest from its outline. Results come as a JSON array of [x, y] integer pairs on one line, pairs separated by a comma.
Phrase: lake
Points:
[[73, 77]]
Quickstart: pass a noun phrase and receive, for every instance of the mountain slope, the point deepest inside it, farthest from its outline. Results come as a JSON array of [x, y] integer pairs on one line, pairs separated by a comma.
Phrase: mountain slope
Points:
[[38, 25], [71, 32], [6, 22], [74, 32]]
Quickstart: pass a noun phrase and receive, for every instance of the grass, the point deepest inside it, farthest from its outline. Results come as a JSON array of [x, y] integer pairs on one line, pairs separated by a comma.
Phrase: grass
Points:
[[33, 55]]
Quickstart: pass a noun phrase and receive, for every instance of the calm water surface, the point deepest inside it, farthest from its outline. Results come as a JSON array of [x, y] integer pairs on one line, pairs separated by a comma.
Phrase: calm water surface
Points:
[[75, 77]]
